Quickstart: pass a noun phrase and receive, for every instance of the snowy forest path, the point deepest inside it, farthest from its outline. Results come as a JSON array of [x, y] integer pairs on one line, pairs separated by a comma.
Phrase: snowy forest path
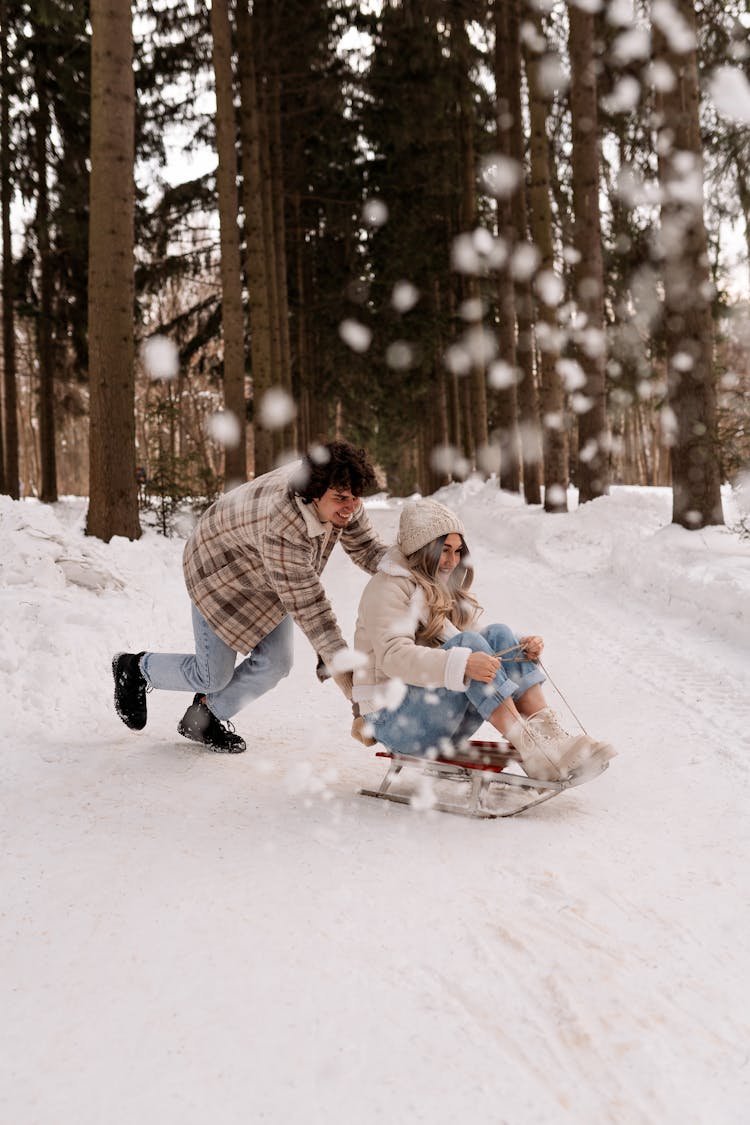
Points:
[[645, 859], [178, 925], [700, 684]]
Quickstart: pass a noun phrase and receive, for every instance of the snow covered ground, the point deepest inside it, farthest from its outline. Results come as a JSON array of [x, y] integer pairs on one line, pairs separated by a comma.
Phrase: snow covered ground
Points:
[[193, 938]]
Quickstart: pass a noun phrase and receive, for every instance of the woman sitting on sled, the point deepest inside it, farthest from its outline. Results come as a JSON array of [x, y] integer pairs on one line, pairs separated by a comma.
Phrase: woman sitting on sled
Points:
[[431, 678]]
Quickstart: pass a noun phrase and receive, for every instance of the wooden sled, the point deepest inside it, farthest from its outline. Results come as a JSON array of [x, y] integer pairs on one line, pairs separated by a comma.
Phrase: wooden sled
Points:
[[486, 784]]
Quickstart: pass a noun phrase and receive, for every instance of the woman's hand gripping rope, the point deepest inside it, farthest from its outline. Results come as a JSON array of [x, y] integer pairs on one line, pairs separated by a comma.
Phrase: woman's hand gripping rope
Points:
[[530, 648], [483, 667]]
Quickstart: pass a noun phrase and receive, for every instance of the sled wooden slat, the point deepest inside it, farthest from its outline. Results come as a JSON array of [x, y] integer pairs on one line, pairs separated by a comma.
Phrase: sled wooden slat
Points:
[[480, 755]]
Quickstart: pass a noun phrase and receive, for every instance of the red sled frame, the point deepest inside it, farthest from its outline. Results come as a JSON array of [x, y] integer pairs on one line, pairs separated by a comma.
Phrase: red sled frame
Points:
[[481, 771]]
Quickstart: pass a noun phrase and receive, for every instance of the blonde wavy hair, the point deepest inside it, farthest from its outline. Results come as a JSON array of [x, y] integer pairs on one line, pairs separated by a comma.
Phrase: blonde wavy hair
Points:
[[444, 601]]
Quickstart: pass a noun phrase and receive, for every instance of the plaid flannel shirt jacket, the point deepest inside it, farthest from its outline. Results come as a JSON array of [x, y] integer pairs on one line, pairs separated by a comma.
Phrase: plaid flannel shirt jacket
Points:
[[254, 557]]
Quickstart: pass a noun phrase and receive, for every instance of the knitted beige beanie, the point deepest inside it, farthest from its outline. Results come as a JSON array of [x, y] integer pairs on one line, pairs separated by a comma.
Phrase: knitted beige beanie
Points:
[[424, 520]]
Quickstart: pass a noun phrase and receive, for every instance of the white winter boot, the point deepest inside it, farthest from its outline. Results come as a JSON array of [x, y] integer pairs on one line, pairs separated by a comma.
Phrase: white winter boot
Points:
[[571, 753], [538, 754], [548, 723]]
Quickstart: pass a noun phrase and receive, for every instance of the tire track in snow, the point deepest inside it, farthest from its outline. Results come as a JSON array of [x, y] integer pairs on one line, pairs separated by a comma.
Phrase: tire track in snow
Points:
[[592, 635]]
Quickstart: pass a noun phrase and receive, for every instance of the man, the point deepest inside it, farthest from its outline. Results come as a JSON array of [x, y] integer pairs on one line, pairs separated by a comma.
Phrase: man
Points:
[[252, 566]]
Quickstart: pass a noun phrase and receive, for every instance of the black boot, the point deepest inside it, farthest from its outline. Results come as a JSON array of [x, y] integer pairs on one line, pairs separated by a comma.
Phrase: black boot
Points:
[[201, 725], [130, 689]]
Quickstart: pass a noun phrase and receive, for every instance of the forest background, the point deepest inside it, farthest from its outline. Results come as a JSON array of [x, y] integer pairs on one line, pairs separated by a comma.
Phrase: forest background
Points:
[[494, 237]]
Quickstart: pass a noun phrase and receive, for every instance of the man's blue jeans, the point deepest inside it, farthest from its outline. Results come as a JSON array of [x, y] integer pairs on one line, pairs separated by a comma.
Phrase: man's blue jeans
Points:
[[438, 719], [211, 668]]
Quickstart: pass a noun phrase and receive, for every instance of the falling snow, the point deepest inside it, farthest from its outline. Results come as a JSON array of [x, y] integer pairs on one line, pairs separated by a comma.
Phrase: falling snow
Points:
[[160, 357], [356, 335], [277, 409], [224, 427], [730, 93]]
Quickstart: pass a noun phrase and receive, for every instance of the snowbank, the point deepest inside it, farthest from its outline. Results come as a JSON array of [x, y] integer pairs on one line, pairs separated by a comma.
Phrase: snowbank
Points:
[[627, 546]]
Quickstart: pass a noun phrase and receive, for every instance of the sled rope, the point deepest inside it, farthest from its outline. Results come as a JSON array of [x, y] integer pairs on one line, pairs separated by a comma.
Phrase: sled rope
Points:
[[519, 659], [511, 659]]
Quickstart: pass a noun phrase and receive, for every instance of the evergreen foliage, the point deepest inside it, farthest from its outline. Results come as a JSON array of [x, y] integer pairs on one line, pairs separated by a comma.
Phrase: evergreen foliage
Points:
[[172, 484], [405, 116]]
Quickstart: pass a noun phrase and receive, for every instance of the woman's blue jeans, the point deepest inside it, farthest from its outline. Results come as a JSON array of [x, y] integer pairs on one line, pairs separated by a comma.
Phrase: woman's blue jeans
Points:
[[211, 668], [438, 720]]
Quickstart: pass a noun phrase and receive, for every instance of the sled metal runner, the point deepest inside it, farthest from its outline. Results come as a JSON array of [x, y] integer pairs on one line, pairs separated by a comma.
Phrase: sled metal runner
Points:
[[482, 774]]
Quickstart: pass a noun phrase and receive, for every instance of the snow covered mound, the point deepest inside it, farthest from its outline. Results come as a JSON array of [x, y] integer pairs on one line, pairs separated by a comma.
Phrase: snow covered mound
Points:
[[49, 555], [625, 544], [68, 602]]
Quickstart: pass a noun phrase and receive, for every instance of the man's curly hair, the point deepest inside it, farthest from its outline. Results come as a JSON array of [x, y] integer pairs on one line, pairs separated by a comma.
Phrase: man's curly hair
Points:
[[337, 464]]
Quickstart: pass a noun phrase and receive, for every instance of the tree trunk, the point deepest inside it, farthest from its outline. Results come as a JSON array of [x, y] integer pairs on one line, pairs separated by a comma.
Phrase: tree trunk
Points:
[[505, 417], [45, 343], [318, 403], [262, 48], [235, 458], [276, 156], [593, 428], [445, 300], [553, 414], [256, 236], [302, 372], [466, 121], [467, 406], [442, 436], [9, 465], [687, 290], [743, 192], [113, 506], [528, 399]]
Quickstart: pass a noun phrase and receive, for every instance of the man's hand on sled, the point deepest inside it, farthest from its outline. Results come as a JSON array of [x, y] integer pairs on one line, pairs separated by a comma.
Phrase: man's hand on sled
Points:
[[343, 678], [341, 668], [345, 681]]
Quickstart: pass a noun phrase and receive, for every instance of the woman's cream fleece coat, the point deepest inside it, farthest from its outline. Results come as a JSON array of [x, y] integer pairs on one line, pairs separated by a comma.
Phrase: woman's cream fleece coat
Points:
[[390, 612]]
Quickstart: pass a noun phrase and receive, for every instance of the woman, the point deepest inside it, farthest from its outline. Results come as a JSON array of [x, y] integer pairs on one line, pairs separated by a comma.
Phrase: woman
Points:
[[430, 678]]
